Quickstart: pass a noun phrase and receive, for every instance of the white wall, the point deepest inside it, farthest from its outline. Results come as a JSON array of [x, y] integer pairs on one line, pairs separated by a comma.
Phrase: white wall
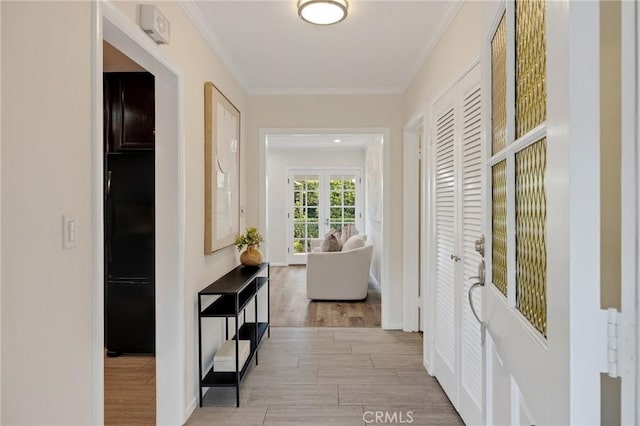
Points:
[[373, 177], [46, 172], [338, 112], [46, 310], [278, 163]]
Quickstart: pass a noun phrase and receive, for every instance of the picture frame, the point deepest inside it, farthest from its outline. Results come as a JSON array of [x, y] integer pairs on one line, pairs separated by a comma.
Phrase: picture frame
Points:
[[222, 170]]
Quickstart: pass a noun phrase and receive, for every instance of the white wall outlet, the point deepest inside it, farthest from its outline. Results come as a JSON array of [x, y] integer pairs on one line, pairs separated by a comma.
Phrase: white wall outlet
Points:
[[69, 232]]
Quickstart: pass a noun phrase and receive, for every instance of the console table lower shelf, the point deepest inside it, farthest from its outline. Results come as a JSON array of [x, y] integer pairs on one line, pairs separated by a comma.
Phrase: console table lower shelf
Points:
[[230, 378], [235, 291]]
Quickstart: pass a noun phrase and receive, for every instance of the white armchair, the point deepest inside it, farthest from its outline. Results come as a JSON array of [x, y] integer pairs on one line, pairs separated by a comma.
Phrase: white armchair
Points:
[[339, 275]]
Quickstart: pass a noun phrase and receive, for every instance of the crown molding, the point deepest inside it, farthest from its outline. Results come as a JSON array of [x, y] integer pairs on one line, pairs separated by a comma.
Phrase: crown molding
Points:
[[329, 91], [194, 13], [450, 12]]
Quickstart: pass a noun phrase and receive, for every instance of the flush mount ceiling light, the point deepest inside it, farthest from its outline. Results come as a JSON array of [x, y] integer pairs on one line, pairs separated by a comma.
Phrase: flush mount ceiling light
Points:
[[323, 12]]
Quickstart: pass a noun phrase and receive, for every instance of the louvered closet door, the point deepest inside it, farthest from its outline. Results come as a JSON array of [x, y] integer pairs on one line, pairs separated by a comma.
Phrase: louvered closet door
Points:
[[471, 132], [458, 148], [446, 244]]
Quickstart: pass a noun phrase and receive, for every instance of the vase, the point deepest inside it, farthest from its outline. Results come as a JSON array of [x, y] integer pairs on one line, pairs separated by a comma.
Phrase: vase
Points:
[[251, 256]]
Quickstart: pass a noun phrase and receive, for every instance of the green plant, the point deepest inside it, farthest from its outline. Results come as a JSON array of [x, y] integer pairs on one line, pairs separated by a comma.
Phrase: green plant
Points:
[[250, 238]]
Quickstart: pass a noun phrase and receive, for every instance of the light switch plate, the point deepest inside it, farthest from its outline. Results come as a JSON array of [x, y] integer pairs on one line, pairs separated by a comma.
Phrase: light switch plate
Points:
[[69, 232]]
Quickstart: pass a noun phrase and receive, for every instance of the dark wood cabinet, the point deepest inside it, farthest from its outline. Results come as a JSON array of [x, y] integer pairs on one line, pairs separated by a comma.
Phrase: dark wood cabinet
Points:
[[129, 111]]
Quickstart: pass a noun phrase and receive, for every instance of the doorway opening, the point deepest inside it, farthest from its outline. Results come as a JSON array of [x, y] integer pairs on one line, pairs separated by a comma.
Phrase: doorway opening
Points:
[[321, 182], [129, 239], [170, 406]]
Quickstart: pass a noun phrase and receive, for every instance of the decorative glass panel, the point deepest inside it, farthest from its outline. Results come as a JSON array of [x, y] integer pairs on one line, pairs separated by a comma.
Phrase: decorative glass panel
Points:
[[499, 87], [531, 225], [499, 226], [531, 91]]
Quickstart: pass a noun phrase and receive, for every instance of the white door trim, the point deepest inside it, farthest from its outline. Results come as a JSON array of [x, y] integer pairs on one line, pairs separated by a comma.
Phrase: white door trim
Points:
[[263, 134], [111, 24], [411, 263], [629, 352]]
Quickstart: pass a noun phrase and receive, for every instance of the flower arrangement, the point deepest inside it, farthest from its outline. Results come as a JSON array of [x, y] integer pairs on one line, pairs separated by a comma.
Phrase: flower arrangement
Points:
[[250, 238]]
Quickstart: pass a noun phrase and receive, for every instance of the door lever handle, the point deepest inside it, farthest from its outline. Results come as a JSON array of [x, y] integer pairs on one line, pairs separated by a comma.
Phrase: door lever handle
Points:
[[483, 324], [455, 258], [479, 283]]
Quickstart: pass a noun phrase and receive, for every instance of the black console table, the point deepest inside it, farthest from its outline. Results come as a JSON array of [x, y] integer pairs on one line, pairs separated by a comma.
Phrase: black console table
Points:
[[234, 292]]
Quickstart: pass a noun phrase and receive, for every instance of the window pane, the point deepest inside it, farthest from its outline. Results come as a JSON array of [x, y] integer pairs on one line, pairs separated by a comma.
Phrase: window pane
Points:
[[312, 185], [531, 60], [312, 199], [336, 198], [350, 214], [312, 231], [312, 213], [531, 228], [298, 230], [499, 226], [349, 198], [335, 213], [350, 184], [335, 183], [499, 87], [298, 246]]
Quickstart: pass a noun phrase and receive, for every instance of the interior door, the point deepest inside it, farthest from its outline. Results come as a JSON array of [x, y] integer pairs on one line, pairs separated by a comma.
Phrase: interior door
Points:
[[458, 137], [320, 200]]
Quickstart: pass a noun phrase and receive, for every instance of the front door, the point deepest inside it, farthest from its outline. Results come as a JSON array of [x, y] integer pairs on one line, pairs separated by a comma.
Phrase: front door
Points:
[[541, 302], [319, 201]]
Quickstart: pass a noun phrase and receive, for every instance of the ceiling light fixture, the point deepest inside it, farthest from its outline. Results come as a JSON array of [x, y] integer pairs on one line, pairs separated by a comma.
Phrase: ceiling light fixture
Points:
[[337, 140], [323, 12]]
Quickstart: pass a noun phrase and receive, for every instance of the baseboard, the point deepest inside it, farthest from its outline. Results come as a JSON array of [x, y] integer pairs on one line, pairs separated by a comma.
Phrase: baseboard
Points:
[[393, 326], [278, 264], [190, 408]]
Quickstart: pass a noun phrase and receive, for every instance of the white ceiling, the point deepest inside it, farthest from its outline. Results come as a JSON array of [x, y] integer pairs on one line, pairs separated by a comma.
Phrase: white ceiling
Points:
[[378, 49], [319, 142]]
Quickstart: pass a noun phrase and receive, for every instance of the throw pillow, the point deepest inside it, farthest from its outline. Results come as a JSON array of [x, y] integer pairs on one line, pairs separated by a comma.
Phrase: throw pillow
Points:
[[347, 232], [331, 243], [354, 242]]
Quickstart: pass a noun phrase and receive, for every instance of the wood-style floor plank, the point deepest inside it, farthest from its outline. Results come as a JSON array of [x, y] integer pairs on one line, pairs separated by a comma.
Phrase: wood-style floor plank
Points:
[[130, 390], [333, 389], [290, 306]]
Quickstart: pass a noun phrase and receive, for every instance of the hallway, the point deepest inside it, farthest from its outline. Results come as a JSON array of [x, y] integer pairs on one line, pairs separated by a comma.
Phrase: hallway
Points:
[[329, 376]]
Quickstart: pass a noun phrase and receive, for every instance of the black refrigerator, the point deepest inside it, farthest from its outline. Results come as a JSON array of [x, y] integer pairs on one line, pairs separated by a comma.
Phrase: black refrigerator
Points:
[[129, 252]]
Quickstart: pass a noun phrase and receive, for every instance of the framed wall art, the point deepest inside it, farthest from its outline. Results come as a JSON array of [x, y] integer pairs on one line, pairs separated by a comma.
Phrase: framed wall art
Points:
[[222, 170]]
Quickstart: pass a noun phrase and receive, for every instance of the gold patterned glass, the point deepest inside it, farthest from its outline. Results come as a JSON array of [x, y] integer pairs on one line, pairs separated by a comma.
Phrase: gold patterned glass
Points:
[[531, 56], [499, 87], [531, 226], [499, 226]]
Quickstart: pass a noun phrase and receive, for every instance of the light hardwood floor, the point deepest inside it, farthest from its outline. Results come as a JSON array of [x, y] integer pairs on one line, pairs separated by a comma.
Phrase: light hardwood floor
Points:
[[291, 308], [130, 390], [332, 376]]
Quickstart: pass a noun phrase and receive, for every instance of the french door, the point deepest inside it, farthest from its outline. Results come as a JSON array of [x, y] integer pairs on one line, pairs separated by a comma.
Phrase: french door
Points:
[[320, 200], [457, 154]]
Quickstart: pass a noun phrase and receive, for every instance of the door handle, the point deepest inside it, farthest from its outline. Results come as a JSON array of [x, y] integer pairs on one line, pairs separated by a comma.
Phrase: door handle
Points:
[[478, 284], [455, 258]]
